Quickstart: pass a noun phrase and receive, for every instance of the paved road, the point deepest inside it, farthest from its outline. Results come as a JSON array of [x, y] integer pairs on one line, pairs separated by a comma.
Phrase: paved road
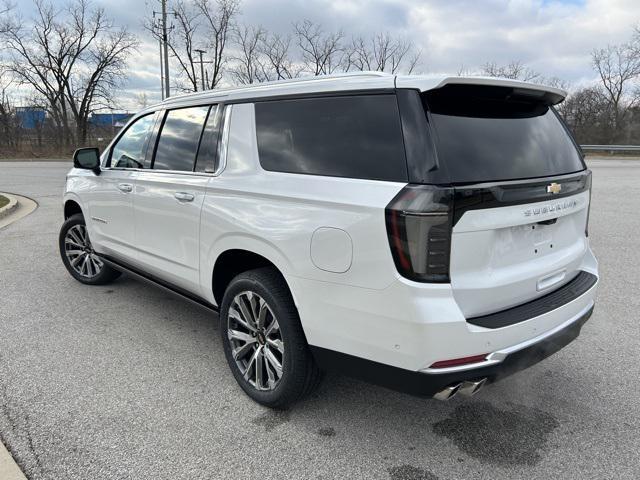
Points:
[[123, 381]]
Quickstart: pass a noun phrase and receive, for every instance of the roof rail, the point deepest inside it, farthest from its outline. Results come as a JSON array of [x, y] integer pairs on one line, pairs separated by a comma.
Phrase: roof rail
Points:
[[288, 81]]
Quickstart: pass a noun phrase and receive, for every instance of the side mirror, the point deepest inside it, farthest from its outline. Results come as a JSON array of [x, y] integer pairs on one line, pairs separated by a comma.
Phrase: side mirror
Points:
[[87, 158]]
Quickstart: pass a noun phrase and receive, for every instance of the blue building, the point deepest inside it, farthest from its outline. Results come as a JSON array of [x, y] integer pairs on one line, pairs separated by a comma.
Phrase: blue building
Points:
[[31, 118], [109, 119]]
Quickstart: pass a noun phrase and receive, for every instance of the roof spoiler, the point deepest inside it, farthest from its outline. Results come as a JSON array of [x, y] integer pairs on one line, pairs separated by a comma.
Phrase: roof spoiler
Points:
[[545, 94]]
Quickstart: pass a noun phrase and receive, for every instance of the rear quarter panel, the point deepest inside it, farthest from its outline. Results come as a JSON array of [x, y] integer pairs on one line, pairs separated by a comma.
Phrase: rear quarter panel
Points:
[[276, 214]]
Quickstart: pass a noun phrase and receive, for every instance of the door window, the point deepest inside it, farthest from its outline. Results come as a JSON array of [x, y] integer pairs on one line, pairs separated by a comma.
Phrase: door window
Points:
[[130, 149], [207, 153], [179, 139]]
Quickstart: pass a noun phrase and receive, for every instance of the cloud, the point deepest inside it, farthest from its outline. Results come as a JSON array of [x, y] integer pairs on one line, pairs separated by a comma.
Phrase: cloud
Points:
[[554, 37]]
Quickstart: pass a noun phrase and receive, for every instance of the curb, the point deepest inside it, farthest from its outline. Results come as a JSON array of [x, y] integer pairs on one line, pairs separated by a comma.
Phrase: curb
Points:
[[10, 207], [9, 470]]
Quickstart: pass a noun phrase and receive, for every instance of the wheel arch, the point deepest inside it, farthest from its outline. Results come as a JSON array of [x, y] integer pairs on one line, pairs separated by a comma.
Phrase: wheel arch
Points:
[[232, 262], [71, 207]]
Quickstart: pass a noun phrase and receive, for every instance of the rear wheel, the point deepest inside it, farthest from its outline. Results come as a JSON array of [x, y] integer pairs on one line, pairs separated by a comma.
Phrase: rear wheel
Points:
[[263, 340], [78, 255]]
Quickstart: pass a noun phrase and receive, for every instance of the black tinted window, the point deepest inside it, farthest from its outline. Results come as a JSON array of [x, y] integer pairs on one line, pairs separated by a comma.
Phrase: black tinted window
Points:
[[207, 154], [179, 138], [357, 137], [130, 149], [494, 134]]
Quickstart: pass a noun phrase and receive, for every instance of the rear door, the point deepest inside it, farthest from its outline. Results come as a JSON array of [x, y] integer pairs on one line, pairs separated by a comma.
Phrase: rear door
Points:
[[521, 194], [169, 197]]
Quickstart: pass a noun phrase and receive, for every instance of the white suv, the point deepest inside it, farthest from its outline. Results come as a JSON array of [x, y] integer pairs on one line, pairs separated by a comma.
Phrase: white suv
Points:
[[426, 234]]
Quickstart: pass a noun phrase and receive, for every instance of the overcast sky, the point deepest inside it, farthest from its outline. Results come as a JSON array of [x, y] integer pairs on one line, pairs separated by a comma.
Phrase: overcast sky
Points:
[[554, 37]]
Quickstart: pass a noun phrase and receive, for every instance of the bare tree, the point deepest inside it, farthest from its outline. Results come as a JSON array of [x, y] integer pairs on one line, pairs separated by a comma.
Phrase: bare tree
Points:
[[142, 100], [9, 131], [588, 114], [182, 41], [278, 64], [414, 61], [555, 82], [381, 53], [218, 18], [249, 66], [322, 53], [618, 66], [5, 9], [514, 70], [73, 58]]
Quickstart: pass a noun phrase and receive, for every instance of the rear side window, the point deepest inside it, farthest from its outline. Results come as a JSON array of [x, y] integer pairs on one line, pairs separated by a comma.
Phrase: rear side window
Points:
[[493, 133], [179, 139], [349, 136], [207, 153]]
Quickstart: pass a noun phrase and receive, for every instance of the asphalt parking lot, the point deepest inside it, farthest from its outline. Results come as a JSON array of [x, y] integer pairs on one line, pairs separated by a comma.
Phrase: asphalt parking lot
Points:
[[126, 381]]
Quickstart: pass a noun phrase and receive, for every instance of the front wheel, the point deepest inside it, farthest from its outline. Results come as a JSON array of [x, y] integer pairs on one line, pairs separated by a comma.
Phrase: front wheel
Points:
[[263, 340], [78, 255]]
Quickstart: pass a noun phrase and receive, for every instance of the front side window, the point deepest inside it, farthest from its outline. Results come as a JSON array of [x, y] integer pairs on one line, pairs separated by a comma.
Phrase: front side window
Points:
[[179, 139], [130, 149], [346, 136]]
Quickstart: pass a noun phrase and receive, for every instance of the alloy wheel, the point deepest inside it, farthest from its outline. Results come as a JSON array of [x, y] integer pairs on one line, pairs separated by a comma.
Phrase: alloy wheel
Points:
[[80, 254], [256, 340]]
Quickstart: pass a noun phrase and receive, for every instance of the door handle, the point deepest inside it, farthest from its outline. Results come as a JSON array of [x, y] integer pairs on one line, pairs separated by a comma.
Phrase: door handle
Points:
[[125, 187], [184, 196]]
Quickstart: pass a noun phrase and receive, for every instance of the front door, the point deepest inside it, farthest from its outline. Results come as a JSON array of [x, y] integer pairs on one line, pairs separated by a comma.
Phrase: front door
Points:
[[110, 202]]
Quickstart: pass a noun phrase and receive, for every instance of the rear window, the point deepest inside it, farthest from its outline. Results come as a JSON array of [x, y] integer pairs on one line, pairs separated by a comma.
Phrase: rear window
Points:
[[348, 136], [493, 133]]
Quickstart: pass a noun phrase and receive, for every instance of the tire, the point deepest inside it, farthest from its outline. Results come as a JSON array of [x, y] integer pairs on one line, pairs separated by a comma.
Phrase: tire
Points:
[[266, 296], [82, 264]]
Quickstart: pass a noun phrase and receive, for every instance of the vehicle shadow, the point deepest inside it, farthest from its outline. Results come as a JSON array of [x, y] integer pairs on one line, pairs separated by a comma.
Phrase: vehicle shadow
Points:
[[503, 425]]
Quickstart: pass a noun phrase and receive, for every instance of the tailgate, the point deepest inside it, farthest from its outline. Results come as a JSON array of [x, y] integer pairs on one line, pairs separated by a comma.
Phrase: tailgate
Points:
[[514, 243]]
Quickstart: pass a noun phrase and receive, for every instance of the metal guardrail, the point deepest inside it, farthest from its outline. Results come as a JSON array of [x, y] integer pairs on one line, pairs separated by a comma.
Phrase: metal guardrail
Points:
[[610, 148]]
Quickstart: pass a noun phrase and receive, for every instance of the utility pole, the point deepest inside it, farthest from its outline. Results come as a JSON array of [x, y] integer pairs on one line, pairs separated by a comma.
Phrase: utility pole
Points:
[[161, 69], [202, 62], [165, 49]]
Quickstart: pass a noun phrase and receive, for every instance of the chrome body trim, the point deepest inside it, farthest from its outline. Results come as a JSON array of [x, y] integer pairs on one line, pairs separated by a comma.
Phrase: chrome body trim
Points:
[[499, 355], [224, 140]]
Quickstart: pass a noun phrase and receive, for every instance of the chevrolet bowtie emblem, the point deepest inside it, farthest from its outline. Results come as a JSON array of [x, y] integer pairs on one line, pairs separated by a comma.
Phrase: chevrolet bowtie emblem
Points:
[[554, 188]]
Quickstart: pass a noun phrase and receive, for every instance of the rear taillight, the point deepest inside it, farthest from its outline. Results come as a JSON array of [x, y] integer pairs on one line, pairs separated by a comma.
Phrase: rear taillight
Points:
[[419, 223]]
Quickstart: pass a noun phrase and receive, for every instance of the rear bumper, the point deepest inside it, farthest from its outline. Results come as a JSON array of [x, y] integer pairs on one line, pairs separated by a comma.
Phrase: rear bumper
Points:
[[428, 382], [411, 326]]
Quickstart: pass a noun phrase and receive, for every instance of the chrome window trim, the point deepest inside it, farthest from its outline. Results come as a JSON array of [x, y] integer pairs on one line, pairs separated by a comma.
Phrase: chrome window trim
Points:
[[173, 172], [222, 154], [224, 141]]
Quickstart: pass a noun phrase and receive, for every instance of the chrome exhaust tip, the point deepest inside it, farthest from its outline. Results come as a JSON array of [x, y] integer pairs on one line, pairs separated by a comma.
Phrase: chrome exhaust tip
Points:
[[470, 388], [447, 392]]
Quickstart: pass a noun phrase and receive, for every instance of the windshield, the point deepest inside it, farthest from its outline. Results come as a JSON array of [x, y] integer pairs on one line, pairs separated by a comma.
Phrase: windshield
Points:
[[485, 134]]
